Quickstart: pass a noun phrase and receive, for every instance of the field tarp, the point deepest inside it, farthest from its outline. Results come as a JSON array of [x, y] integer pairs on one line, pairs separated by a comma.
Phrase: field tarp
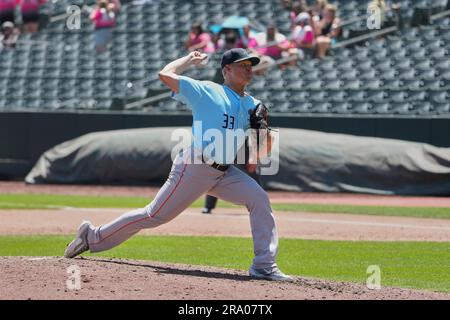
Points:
[[309, 161]]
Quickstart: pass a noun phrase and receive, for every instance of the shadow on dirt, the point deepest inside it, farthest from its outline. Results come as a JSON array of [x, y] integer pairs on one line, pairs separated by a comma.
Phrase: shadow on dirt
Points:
[[177, 271]]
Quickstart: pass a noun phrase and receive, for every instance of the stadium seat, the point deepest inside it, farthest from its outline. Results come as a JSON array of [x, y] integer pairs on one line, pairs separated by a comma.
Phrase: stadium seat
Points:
[[301, 107], [381, 108], [370, 84], [356, 95], [375, 95], [391, 84], [361, 107], [299, 96], [321, 107], [422, 108], [341, 107], [370, 74], [431, 84], [313, 85], [401, 108], [441, 108], [397, 95], [332, 84], [317, 95], [350, 74], [439, 96], [336, 95], [352, 84], [417, 96], [388, 75], [407, 74]]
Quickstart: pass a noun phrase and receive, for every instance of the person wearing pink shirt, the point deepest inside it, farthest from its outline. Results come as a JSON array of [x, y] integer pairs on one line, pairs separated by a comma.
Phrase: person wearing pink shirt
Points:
[[104, 19], [247, 41], [198, 40], [7, 8], [30, 13], [272, 43], [303, 35], [297, 8]]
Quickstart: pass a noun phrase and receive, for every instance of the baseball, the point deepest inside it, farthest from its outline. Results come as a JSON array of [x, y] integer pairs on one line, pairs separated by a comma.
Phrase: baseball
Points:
[[205, 60]]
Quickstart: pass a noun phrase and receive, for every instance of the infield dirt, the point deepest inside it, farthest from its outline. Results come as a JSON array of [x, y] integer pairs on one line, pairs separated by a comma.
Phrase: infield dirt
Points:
[[46, 278]]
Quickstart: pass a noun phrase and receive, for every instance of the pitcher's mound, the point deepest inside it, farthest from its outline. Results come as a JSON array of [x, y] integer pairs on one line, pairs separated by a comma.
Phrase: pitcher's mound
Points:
[[102, 278]]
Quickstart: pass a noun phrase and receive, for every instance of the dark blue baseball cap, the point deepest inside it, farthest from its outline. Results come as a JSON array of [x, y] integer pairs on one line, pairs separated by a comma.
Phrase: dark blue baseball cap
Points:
[[238, 55]]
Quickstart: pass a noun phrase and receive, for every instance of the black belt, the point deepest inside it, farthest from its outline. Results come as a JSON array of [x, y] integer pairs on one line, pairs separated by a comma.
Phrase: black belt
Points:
[[221, 167], [217, 166]]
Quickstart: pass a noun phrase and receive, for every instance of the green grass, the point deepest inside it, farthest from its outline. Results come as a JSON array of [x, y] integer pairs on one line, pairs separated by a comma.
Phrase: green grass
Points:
[[423, 212], [419, 265], [45, 201]]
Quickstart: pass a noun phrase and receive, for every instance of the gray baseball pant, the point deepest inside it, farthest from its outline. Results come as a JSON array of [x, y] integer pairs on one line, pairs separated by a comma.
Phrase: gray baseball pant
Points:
[[186, 183]]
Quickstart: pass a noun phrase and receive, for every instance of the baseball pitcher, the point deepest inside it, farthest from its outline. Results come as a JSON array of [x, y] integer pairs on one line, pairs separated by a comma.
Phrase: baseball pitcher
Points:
[[223, 109]]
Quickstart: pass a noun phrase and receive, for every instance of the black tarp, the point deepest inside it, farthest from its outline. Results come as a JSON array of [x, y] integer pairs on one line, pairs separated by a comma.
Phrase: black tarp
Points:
[[308, 161]]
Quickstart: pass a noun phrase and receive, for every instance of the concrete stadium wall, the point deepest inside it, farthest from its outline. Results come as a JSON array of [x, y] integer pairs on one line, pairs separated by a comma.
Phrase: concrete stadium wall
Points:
[[24, 136]]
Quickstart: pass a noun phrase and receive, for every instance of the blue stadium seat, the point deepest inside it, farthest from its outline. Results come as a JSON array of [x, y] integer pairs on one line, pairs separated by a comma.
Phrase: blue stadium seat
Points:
[[392, 84], [417, 96], [317, 95], [401, 108], [371, 84], [336, 95], [341, 107], [349, 74], [439, 96], [313, 84], [431, 84], [361, 108], [352, 84], [356, 95], [321, 107], [422, 108], [397, 95], [376, 95], [299, 96], [441, 108]]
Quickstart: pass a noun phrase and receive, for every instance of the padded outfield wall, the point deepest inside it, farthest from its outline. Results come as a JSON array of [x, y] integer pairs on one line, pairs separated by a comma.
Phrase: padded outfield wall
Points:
[[24, 136]]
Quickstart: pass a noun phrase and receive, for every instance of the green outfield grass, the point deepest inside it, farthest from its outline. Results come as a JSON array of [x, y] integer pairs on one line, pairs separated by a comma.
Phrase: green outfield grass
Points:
[[419, 265], [45, 201]]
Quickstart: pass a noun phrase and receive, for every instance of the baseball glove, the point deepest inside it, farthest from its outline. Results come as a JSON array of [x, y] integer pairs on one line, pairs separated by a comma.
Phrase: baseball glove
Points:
[[259, 117]]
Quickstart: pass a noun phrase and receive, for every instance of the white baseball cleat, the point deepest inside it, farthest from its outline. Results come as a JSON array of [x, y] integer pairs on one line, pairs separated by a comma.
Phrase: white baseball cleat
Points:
[[80, 243], [273, 274]]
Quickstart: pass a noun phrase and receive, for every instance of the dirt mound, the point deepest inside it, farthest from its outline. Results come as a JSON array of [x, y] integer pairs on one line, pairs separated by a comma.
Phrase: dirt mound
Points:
[[49, 277]]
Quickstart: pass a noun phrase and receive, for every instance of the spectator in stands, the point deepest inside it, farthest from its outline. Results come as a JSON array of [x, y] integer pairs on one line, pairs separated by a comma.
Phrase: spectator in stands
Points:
[[319, 9], [330, 31], [286, 4], [9, 35], [247, 41], [303, 35], [380, 6], [272, 46], [272, 43], [30, 14], [7, 9], [198, 40], [317, 14], [230, 40], [104, 19], [297, 8], [214, 32]]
